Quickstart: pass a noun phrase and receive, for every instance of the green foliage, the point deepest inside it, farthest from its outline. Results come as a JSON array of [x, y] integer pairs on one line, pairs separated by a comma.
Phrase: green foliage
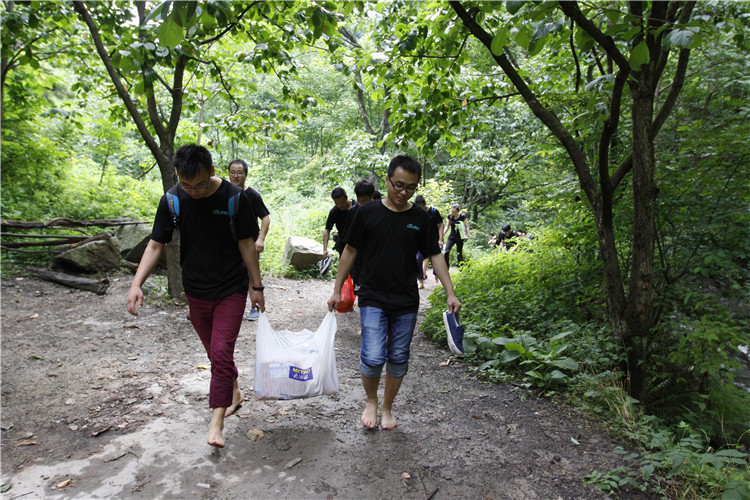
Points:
[[507, 295], [682, 463]]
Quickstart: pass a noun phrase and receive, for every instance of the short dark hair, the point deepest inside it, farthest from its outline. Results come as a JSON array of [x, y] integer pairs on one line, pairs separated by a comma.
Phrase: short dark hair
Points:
[[338, 192], [241, 162], [456, 207], [419, 200], [377, 195], [506, 227], [190, 159], [364, 188], [407, 163]]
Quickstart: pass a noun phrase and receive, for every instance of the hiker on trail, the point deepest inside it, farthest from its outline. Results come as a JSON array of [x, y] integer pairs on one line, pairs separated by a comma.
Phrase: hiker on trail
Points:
[[437, 219], [337, 217], [237, 176], [363, 190], [389, 232], [217, 230], [459, 232]]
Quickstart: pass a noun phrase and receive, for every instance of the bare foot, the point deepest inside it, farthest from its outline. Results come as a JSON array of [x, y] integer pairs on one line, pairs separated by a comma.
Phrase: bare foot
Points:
[[215, 428], [386, 419], [237, 399], [370, 415]]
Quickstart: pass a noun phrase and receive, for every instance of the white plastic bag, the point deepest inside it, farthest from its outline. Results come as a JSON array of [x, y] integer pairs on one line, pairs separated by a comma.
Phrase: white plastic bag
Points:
[[291, 365]]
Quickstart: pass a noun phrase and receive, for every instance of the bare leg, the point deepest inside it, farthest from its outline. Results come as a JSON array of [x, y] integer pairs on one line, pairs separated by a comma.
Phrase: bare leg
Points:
[[215, 428], [237, 399], [370, 415], [392, 385]]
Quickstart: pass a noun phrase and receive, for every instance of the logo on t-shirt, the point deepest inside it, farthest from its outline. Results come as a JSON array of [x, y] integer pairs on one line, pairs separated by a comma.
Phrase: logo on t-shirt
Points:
[[412, 226], [220, 212]]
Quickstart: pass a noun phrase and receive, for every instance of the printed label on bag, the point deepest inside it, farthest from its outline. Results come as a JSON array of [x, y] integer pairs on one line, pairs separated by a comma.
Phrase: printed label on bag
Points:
[[302, 374], [277, 370]]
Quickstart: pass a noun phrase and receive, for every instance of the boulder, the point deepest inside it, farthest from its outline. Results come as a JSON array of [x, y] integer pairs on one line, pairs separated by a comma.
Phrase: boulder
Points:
[[101, 255], [302, 253], [133, 240]]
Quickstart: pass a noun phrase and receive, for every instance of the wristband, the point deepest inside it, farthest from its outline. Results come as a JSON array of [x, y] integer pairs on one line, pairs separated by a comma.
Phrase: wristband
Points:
[[259, 288]]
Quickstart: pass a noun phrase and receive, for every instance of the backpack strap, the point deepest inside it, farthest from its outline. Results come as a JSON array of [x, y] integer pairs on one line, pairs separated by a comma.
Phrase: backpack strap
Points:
[[173, 202], [234, 203]]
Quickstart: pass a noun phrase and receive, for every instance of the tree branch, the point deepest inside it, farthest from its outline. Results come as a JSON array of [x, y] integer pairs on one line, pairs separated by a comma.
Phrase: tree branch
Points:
[[80, 8]]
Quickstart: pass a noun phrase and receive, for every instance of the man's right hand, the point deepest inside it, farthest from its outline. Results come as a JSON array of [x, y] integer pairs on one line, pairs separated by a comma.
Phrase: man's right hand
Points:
[[135, 298], [334, 301]]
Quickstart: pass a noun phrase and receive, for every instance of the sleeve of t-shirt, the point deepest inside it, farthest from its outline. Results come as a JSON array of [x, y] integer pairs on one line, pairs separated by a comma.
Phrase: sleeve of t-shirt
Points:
[[331, 219], [256, 202], [428, 245], [355, 233], [350, 217], [438, 218], [246, 223], [163, 226]]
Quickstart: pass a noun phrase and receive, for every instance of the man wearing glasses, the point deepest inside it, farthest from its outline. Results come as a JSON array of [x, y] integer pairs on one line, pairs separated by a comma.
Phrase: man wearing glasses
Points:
[[389, 233], [215, 268], [237, 176]]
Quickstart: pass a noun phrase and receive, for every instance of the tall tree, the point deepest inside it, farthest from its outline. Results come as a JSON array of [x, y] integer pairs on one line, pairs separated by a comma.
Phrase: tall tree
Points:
[[155, 60], [606, 85]]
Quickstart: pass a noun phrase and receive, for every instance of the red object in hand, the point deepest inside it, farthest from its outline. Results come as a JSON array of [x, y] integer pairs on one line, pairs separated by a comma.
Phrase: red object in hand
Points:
[[347, 296]]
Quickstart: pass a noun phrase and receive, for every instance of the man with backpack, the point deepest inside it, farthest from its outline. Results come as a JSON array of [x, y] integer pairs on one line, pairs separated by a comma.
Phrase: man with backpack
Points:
[[217, 231], [437, 219]]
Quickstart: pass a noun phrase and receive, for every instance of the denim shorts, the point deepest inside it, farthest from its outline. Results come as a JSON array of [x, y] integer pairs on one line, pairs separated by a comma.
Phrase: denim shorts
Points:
[[385, 338]]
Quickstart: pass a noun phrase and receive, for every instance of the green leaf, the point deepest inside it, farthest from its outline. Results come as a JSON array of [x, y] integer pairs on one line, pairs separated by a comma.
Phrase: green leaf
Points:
[[565, 363], [170, 33], [515, 347], [514, 6], [584, 40], [681, 38], [535, 374], [500, 41], [639, 56]]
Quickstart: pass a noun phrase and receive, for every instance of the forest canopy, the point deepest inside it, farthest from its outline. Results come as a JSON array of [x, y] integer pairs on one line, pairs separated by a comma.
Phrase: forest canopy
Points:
[[615, 133]]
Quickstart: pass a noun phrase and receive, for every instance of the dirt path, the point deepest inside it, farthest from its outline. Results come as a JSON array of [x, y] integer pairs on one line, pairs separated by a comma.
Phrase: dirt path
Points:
[[98, 404]]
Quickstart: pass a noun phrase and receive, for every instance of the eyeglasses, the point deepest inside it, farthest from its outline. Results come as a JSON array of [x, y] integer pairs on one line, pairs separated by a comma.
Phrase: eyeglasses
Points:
[[236, 174], [400, 186], [201, 186]]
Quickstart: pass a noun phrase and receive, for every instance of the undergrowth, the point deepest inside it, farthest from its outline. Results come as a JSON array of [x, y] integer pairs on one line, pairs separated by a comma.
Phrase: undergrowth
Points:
[[536, 317]]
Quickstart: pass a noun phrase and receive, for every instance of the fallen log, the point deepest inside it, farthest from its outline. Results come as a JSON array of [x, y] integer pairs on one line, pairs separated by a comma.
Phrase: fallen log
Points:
[[65, 221], [99, 287]]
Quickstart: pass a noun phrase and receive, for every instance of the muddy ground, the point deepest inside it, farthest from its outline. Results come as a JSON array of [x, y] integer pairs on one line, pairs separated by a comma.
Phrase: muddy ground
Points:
[[99, 404]]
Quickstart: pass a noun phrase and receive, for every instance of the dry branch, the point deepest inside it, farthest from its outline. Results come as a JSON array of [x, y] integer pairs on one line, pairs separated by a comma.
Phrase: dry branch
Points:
[[99, 287]]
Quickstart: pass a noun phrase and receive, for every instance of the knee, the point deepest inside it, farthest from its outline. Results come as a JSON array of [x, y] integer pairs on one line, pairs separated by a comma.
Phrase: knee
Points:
[[368, 369], [397, 370]]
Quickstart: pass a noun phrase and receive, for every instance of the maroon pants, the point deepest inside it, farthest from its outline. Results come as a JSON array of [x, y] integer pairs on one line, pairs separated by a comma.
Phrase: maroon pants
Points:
[[218, 324]]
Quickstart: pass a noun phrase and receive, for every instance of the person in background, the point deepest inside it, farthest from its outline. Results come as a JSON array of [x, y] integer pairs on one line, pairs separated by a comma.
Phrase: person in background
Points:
[[337, 217], [237, 176], [363, 190], [437, 219], [377, 195], [459, 232], [217, 252], [505, 239], [389, 232]]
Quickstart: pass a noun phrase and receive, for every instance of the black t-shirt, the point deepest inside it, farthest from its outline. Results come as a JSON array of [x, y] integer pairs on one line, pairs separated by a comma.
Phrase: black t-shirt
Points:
[[434, 214], [507, 238], [337, 217], [388, 242], [212, 267], [453, 222], [256, 203]]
